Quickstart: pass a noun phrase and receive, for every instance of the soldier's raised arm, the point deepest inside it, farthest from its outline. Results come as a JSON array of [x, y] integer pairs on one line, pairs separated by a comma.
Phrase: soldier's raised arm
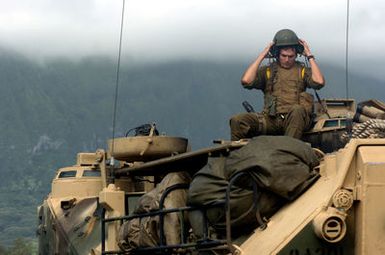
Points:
[[251, 72], [316, 73]]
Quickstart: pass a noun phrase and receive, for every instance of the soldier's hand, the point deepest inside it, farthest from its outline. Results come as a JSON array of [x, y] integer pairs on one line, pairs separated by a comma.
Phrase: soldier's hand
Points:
[[306, 48], [266, 50]]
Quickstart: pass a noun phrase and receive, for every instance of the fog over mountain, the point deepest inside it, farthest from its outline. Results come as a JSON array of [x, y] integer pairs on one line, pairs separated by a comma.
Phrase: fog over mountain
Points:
[[169, 29]]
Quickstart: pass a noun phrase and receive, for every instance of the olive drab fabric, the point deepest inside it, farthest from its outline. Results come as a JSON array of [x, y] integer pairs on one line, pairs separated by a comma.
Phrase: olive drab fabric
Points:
[[281, 166], [284, 88], [248, 125]]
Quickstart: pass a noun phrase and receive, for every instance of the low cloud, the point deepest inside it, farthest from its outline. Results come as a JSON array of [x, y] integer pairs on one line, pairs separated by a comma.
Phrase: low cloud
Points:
[[170, 29]]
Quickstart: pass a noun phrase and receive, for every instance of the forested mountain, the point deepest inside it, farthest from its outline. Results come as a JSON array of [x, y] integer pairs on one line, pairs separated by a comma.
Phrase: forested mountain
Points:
[[51, 111]]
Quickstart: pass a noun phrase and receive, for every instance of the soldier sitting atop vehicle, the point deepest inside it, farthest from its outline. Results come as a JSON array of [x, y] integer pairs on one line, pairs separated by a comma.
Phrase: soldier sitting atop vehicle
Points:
[[288, 107]]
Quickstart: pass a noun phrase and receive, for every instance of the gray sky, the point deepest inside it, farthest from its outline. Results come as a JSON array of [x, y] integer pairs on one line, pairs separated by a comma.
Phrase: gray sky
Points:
[[214, 29]]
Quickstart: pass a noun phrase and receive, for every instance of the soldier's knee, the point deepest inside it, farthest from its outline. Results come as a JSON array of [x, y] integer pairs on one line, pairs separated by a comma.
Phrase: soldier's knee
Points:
[[235, 120], [235, 127], [298, 117], [243, 126]]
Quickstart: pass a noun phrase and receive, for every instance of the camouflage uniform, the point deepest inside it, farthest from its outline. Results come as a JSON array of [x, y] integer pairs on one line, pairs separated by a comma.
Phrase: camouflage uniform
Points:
[[288, 107]]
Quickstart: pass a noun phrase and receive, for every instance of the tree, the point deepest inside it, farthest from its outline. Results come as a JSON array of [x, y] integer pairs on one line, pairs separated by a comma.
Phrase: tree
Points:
[[3, 250], [20, 246]]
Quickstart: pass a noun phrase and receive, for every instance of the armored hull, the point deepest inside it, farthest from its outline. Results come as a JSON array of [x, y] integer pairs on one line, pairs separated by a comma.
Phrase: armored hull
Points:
[[98, 206]]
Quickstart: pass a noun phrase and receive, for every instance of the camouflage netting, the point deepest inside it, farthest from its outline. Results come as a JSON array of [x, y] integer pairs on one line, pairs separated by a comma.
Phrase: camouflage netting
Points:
[[281, 166]]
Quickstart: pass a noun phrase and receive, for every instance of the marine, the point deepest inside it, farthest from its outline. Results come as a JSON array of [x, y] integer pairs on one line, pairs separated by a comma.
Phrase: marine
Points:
[[287, 105]]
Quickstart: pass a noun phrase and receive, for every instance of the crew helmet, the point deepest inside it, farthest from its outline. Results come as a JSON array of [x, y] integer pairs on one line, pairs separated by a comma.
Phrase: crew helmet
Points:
[[285, 38]]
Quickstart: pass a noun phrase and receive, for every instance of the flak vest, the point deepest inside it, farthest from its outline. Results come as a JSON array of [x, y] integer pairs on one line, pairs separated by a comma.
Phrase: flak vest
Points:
[[285, 88]]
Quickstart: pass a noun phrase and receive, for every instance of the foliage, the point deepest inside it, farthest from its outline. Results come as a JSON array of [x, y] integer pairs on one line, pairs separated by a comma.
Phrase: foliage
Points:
[[20, 246]]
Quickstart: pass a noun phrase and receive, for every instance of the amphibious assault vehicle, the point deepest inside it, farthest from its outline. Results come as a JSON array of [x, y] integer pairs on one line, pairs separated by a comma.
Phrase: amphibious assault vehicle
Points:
[[117, 201]]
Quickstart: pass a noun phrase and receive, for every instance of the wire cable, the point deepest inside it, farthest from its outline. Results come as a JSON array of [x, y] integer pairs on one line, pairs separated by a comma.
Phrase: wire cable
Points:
[[117, 80], [347, 50], [111, 175]]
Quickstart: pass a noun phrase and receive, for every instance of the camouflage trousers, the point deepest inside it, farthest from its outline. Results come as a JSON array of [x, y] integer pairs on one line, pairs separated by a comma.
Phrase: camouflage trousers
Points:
[[248, 125]]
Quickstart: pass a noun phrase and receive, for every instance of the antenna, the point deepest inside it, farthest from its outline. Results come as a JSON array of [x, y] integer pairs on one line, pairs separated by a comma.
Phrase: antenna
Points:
[[116, 94], [347, 50]]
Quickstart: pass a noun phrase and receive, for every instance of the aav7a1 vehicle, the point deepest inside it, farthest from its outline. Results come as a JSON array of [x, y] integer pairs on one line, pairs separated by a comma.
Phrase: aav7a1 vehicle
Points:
[[135, 206]]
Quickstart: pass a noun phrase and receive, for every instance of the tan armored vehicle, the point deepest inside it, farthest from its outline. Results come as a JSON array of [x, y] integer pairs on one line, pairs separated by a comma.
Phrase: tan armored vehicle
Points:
[[132, 198]]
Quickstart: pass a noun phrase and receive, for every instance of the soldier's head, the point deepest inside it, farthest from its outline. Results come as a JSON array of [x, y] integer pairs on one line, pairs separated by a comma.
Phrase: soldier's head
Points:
[[286, 47]]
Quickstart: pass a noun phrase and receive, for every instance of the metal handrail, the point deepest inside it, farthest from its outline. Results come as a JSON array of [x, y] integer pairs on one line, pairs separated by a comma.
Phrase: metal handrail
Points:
[[206, 241]]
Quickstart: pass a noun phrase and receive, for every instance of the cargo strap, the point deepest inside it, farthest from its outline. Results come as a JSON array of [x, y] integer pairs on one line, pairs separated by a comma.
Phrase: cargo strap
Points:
[[321, 104]]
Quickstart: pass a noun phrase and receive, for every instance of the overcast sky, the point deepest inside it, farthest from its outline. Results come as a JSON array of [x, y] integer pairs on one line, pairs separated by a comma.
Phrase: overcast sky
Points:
[[215, 29]]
